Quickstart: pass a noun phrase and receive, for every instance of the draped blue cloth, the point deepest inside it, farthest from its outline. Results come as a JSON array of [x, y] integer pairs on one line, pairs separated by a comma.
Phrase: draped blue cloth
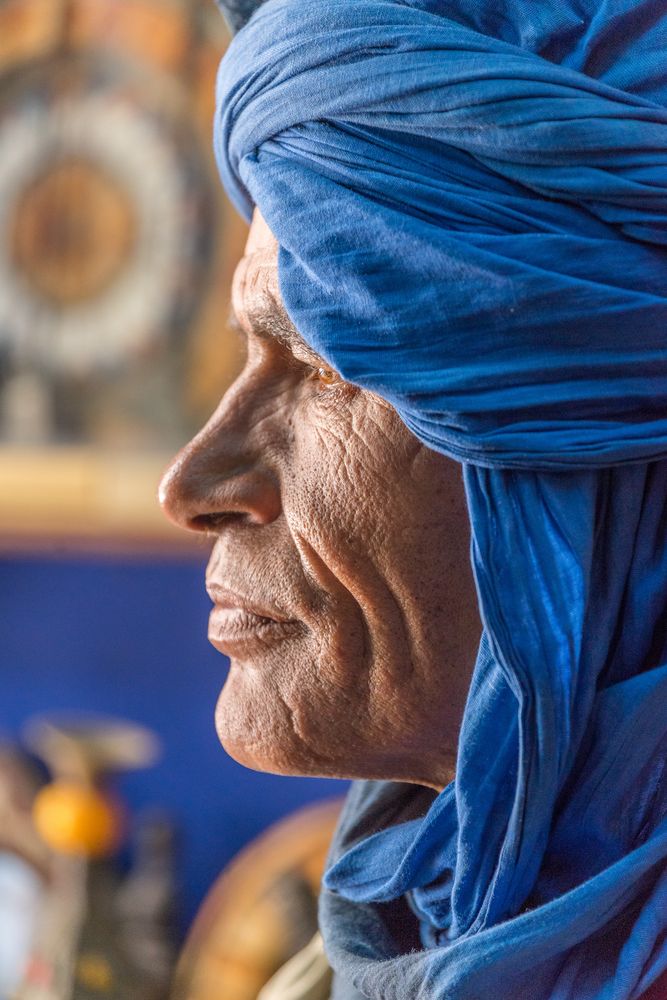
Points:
[[471, 204]]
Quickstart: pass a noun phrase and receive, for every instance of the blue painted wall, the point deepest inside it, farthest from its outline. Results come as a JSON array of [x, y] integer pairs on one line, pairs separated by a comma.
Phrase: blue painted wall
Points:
[[128, 637]]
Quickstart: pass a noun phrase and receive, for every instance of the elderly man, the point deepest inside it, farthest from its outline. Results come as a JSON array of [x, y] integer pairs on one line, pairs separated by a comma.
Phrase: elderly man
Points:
[[463, 260], [335, 529]]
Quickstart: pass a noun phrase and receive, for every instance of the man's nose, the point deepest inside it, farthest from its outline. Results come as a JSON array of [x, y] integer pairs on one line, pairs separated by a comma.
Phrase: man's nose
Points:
[[220, 476]]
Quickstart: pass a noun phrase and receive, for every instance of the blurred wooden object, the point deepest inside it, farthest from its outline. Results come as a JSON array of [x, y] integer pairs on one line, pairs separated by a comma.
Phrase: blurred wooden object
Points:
[[260, 913], [84, 497], [307, 976]]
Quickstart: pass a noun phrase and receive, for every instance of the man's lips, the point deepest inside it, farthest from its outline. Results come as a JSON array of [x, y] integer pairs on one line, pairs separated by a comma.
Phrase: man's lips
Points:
[[236, 624]]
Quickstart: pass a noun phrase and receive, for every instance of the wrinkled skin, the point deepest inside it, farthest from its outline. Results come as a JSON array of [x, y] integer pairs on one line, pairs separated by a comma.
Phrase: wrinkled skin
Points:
[[340, 566]]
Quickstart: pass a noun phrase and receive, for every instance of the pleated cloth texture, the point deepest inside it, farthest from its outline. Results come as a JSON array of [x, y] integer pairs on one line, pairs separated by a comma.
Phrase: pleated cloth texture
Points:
[[471, 204]]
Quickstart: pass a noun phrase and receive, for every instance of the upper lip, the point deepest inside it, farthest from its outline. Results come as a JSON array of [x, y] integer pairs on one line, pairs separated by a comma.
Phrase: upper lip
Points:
[[224, 597]]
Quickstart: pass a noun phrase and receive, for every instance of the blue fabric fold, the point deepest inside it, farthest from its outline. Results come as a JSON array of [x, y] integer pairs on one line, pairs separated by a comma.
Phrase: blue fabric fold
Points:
[[471, 205]]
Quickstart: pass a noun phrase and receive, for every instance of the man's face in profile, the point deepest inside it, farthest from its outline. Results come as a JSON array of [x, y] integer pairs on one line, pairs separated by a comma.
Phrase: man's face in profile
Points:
[[340, 570]]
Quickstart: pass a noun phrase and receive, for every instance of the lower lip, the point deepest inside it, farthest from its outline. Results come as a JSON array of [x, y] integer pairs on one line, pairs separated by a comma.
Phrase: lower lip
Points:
[[234, 631]]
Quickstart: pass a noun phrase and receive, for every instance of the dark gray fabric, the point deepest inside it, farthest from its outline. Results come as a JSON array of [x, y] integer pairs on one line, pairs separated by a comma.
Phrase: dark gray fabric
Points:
[[238, 12], [344, 991], [391, 929]]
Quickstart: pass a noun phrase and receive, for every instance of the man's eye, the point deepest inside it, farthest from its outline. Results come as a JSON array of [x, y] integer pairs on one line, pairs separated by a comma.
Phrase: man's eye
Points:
[[326, 376]]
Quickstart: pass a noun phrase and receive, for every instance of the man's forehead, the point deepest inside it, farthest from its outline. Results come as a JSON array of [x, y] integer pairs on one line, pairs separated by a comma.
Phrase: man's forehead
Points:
[[256, 302], [259, 235]]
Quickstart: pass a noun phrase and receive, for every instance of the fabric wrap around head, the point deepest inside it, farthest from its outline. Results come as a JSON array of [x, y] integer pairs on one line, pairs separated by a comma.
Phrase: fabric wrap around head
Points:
[[471, 205]]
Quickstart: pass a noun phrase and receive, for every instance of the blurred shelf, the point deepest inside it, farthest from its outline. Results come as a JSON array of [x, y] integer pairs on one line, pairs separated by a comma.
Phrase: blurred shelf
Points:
[[82, 497]]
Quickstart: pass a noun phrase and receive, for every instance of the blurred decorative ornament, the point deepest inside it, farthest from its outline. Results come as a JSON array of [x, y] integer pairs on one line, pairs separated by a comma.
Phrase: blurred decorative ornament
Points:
[[99, 932], [75, 819], [117, 248], [73, 229], [75, 814], [105, 219], [83, 747]]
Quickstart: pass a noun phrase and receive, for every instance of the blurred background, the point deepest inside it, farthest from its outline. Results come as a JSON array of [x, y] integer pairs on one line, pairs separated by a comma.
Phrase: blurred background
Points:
[[116, 253]]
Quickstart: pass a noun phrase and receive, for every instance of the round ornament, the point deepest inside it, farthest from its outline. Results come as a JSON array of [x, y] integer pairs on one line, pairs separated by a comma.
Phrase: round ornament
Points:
[[105, 221]]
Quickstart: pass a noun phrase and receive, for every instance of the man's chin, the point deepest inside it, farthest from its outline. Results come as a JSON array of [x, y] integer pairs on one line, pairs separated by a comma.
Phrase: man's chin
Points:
[[278, 731], [247, 755], [253, 736]]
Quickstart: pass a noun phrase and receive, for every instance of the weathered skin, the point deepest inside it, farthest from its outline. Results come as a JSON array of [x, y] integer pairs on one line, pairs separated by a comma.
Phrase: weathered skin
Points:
[[328, 513]]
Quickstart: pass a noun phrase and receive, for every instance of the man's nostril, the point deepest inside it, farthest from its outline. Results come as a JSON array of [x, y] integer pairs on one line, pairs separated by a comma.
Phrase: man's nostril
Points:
[[207, 522], [215, 522]]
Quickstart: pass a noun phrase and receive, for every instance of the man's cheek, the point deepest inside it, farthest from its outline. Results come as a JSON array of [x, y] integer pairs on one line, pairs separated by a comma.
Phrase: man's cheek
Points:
[[327, 449]]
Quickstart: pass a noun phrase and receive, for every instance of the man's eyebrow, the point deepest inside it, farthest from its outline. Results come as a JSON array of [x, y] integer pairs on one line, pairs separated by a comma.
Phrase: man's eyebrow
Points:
[[271, 322]]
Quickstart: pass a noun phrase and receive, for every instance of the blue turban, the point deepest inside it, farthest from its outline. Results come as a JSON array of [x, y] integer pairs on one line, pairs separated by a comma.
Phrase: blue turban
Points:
[[470, 199]]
